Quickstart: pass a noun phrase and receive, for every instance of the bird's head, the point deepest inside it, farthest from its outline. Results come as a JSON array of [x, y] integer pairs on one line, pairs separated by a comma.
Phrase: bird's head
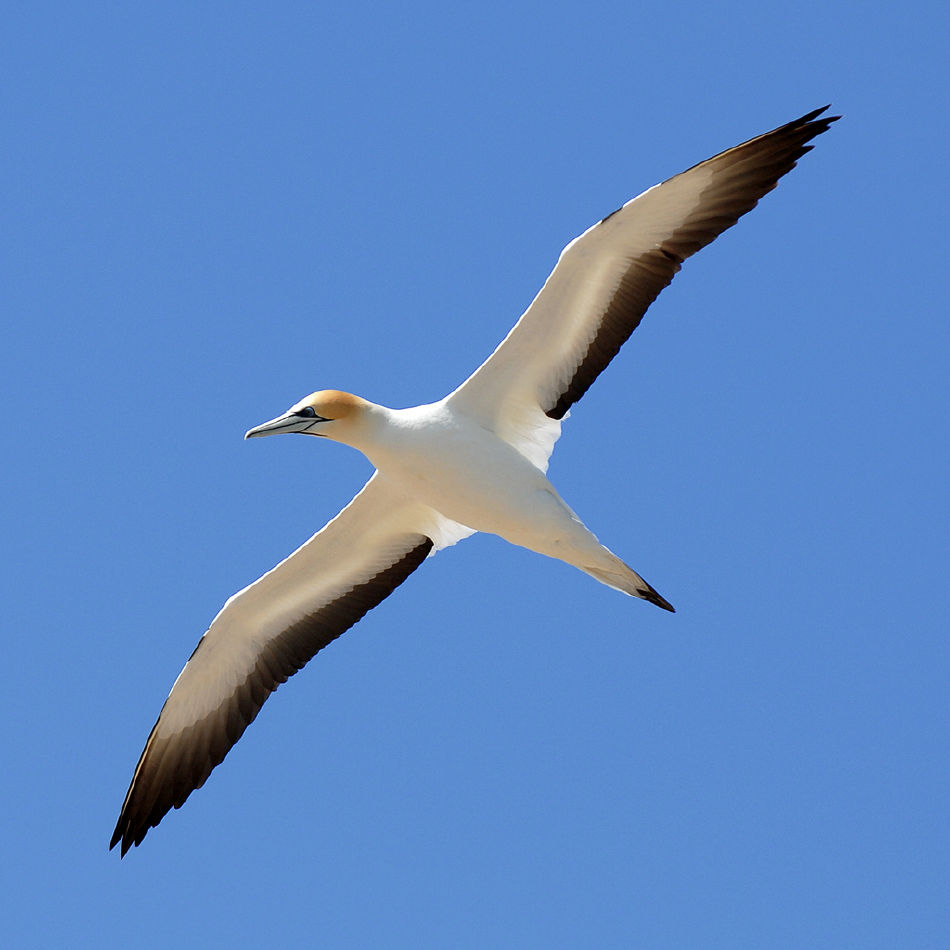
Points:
[[328, 413]]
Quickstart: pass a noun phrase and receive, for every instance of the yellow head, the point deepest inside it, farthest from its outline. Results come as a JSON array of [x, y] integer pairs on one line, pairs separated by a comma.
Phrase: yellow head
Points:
[[327, 413]]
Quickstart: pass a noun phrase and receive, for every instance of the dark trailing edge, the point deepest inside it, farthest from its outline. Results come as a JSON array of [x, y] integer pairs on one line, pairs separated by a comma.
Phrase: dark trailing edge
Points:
[[171, 768], [741, 176]]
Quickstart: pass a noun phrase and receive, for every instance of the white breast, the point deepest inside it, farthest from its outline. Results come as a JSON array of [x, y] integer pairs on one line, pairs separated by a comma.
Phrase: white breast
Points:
[[452, 463]]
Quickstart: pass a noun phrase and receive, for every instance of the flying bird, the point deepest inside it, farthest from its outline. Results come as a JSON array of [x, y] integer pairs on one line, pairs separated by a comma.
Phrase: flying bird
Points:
[[474, 461]]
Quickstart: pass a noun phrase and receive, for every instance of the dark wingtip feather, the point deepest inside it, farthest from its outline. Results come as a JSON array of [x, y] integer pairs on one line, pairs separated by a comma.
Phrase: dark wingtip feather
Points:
[[654, 598], [812, 116], [742, 176], [165, 778]]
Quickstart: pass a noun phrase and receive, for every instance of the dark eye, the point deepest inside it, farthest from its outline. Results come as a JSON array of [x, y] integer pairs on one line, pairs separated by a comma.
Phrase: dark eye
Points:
[[306, 412]]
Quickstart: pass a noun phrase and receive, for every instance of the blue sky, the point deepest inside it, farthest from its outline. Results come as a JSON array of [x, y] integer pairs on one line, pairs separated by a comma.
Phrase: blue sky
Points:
[[212, 209]]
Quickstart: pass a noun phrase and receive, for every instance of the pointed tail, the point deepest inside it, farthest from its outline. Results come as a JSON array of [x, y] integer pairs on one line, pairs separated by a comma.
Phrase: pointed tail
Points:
[[624, 578]]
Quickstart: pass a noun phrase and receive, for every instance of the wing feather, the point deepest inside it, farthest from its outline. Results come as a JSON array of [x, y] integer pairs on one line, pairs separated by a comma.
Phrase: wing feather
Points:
[[606, 279], [268, 632]]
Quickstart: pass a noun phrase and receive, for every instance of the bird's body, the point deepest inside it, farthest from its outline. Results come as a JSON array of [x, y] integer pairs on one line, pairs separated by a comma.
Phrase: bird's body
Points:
[[473, 461], [438, 456], [443, 459]]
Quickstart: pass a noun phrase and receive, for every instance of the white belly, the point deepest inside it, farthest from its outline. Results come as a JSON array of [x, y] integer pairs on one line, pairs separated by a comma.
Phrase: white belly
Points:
[[471, 476]]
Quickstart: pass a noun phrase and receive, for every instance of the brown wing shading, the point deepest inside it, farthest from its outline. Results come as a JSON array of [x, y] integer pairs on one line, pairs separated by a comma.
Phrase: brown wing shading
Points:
[[605, 280], [267, 632], [174, 765], [740, 177]]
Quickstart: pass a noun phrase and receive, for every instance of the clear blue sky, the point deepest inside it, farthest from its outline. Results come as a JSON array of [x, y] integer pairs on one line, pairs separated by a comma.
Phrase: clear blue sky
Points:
[[211, 209]]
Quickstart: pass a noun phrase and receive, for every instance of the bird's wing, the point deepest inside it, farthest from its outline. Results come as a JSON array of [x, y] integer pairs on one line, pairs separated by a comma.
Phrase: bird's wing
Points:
[[267, 632], [605, 280]]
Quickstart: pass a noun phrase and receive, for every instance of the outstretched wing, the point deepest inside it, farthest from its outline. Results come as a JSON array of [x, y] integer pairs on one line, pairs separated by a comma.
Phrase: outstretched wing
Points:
[[605, 280], [267, 632]]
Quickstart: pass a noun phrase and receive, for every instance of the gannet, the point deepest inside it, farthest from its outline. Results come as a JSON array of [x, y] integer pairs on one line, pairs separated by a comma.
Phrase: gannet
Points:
[[473, 461]]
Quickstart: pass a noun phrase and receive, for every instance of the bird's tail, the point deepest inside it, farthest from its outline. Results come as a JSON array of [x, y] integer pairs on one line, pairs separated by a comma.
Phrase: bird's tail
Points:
[[624, 578]]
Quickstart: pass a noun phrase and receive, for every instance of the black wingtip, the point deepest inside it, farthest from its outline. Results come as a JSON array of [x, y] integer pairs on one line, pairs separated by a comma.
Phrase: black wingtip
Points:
[[815, 121], [654, 598], [824, 121], [116, 838]]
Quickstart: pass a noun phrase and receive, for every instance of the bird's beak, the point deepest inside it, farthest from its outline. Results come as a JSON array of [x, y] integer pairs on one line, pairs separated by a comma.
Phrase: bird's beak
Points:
[[288, 422]]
